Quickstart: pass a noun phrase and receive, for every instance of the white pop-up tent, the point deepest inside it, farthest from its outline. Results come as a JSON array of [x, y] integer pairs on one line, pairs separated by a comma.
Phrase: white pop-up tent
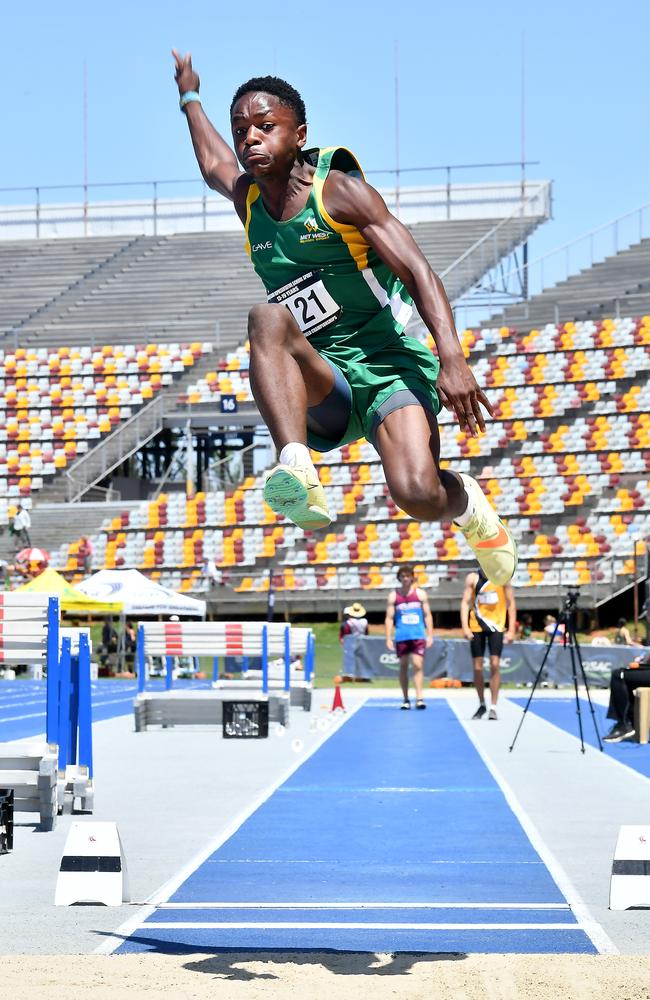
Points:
[[139, 595]]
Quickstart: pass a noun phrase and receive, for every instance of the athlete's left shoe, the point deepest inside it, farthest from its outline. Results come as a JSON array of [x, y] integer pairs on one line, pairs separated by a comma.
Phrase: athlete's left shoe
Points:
[[488, 537], [297, 493]]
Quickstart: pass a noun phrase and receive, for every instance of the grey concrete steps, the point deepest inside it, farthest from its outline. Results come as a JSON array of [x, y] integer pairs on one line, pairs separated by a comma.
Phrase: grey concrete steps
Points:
[[618, 285], [55, 524]]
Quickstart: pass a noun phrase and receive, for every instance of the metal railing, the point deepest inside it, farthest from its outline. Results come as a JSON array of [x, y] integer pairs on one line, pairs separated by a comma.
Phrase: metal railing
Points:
[[565, 261], [155, 207], [604, 241], [123, 442], [489, 250]]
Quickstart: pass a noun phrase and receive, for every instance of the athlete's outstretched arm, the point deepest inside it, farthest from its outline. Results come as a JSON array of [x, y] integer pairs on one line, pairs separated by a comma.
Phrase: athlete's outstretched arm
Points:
[[216, 160], [348, 199]]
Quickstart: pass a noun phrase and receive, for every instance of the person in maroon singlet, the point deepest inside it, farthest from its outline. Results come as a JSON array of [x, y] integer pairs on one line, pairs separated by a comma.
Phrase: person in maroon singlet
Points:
[[409, 612]]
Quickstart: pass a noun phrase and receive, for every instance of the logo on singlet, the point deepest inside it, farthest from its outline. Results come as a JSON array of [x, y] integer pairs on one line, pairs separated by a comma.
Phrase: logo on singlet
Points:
[[313, 232], [261, 246]]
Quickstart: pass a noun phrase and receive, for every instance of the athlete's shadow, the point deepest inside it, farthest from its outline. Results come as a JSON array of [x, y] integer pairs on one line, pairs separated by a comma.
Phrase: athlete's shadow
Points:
[[228, 965]]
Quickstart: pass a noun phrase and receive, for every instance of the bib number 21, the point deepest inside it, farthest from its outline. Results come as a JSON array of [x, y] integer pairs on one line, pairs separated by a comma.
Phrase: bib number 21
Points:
[[309, 302]]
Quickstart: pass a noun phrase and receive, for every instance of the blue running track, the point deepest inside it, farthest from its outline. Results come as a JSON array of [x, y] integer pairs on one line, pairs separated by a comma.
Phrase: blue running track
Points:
[[393, 836], [22, 704], [562, 713]]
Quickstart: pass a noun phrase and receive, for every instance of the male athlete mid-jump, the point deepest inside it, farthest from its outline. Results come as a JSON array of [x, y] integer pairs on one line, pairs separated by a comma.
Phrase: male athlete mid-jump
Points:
[[329, 361]]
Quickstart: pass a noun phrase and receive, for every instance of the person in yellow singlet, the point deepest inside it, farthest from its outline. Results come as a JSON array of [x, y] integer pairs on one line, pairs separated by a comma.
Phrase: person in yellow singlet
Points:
[[329, 358], [484, 610]]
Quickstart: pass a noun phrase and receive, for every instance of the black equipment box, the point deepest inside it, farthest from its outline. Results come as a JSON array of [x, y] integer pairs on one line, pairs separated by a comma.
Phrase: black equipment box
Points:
[[245, 720], [6, 820]]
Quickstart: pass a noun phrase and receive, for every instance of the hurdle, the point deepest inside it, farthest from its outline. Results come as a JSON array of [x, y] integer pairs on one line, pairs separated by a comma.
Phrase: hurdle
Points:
[[217, 639], [29, 635], [243, 639], [75, 759], [282, 642]]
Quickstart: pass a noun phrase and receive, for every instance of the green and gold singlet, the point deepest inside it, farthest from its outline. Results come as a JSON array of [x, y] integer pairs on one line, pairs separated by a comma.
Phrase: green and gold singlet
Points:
[[349, 304]]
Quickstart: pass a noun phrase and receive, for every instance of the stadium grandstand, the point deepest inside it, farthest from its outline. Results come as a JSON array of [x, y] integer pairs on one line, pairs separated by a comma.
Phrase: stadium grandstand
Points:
[[141, 432]]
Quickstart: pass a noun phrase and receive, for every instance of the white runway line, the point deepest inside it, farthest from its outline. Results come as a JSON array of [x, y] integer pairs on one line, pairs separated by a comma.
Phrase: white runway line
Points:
[[363, 906], [600, 939], [343, 926], [168, 888]]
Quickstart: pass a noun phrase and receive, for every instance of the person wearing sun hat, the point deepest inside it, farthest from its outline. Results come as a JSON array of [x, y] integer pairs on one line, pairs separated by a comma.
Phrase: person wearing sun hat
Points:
[[354, 622]]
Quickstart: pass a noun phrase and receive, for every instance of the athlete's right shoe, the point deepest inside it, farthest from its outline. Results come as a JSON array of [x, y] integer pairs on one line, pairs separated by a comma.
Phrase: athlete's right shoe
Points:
[[296, 492], [488, 537], [480, 711]]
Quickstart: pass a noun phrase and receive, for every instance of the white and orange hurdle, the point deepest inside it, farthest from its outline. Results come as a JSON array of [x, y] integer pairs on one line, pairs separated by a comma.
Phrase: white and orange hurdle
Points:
[[217, 639]]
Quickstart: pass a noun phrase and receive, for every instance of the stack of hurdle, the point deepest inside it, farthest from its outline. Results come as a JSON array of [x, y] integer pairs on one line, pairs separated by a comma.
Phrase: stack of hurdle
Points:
[[283, 643], [40, 774], [221, 639], [29, 635]]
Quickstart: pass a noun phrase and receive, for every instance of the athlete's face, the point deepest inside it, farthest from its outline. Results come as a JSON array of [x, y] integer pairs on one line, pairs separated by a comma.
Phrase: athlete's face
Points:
[[266, 135], [406, 579]]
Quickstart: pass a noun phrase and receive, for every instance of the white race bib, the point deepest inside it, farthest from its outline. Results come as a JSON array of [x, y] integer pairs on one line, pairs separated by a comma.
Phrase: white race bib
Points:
[[410, 618], [490, 598], [309, 302]]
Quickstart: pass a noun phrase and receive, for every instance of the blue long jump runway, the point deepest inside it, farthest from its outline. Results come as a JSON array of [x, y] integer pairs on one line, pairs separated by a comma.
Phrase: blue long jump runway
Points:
[[561, 712], [393, 836], [22, 704]]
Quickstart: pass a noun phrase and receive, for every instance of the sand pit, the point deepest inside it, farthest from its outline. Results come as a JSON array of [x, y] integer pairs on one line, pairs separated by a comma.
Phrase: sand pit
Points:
[[320, 976]]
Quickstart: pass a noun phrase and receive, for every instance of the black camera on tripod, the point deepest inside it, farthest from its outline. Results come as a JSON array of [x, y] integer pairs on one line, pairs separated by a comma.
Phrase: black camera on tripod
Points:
[[571, 600], [565, 628]]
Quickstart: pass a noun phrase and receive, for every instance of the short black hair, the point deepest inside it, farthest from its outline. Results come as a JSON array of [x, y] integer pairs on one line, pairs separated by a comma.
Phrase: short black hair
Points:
[[285, 93]]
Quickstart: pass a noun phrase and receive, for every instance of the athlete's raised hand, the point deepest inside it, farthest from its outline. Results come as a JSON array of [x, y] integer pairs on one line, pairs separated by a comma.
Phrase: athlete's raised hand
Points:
[[460, 391], [185, 76]]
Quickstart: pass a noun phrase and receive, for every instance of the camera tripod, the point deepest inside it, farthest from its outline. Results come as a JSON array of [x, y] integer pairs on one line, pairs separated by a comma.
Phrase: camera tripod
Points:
[[569, 641]]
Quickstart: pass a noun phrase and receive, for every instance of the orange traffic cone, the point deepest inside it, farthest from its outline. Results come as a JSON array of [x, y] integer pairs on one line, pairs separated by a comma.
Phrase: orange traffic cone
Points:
[[337, 704]]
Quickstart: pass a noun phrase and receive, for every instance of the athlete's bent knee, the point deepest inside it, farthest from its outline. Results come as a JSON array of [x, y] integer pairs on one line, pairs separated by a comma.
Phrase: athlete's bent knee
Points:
[[268, 320], [423, 501]]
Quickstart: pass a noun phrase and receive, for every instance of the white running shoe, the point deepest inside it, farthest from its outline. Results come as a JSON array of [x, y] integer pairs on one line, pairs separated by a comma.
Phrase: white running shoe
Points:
[[297, 493], [488, 537]]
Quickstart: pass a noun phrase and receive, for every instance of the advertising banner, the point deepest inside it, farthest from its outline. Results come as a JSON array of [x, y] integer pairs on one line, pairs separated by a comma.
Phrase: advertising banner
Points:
[[367, 658]]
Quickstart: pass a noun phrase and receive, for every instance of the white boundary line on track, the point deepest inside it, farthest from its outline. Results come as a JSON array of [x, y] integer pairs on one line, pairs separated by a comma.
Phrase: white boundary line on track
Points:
[[162, 894], [342, 926], [363, 906], [599, 937]]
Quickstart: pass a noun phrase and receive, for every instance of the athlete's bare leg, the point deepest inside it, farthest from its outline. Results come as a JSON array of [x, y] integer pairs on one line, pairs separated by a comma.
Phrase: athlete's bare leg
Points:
[[404, 676], [418, 674], [286, 374], [479, 683], [408, 442], [495, 678]]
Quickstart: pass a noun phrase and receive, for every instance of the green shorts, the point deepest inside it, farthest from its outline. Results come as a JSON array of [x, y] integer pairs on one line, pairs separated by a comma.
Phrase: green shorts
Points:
[[368, 386]]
